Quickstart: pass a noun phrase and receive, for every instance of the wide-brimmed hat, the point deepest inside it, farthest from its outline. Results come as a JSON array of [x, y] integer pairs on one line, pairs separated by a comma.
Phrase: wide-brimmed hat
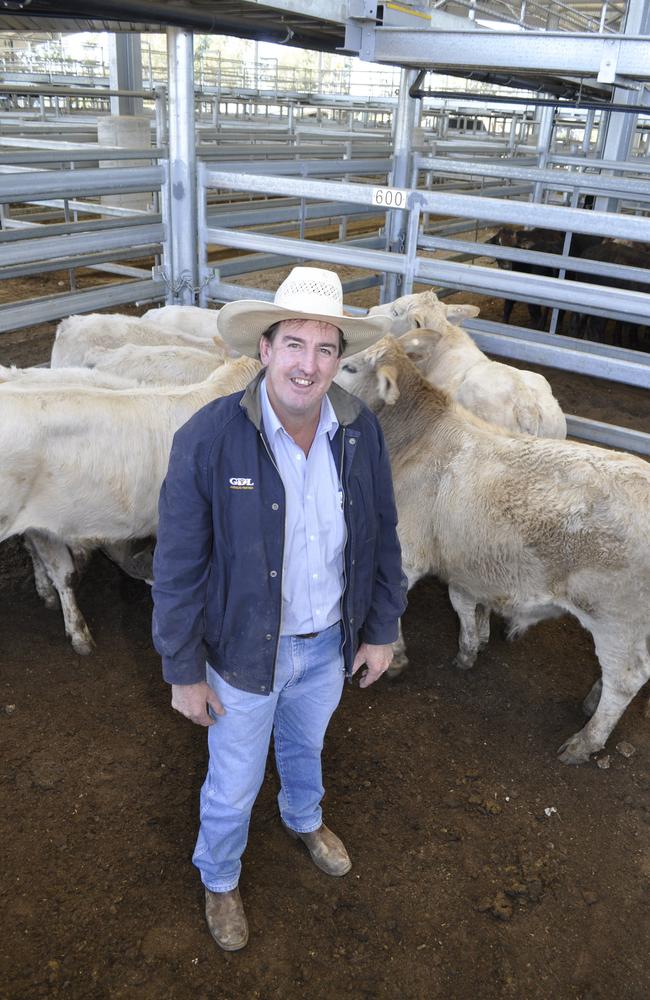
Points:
[[308, 293]]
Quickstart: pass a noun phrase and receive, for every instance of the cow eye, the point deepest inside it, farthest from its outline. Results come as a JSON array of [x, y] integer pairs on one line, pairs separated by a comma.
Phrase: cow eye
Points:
[[350, 368]]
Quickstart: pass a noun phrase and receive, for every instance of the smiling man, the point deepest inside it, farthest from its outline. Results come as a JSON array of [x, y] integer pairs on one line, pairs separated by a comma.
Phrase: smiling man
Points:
[[277, 572]]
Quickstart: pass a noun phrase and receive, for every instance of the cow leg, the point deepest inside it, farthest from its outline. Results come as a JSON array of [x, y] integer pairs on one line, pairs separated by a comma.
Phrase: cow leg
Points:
[[483, 625], [44, 586], [400, 660], [469, 641], [625, 669], [134, 557], [590, 704], [59, 566]]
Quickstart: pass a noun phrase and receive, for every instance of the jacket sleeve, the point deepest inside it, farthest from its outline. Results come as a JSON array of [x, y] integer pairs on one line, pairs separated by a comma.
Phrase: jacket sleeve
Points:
[[390, 585], [182, 563]]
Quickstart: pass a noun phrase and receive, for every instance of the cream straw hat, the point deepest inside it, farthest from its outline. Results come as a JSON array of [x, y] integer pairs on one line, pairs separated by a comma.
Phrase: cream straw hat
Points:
[[308, 293]]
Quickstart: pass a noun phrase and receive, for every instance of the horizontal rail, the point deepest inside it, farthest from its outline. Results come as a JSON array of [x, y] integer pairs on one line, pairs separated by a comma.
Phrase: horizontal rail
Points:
[[34, 185], [610, 435], [15, 315], [78, 243], [561, 180], [445, 203], [566, 359]]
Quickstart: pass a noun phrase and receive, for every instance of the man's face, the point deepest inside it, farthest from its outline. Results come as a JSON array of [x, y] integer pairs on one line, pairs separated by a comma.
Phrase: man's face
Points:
[[300, 364]]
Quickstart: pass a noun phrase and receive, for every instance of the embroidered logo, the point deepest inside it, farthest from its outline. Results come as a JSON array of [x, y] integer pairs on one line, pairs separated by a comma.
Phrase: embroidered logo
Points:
[[238, 483]]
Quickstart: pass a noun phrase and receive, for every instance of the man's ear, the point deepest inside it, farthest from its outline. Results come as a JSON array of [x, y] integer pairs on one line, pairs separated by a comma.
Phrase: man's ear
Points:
[[264, 350], [387, 382]]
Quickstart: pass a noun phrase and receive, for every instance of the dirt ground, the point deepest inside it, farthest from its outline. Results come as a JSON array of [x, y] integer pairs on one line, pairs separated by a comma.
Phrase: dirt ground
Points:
[[482, 866]]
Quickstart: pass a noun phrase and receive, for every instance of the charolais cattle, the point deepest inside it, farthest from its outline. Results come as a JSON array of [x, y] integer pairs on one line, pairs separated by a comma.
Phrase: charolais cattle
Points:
[[448, 357], [75, 335], [528, 527], [83, 465]]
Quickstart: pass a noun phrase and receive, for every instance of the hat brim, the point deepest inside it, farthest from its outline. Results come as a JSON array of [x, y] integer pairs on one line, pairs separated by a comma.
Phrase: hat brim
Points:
[[242, 323]]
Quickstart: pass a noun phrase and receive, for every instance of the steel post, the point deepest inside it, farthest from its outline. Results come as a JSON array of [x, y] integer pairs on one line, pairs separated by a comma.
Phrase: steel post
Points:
[[406, 119], [181, 219]]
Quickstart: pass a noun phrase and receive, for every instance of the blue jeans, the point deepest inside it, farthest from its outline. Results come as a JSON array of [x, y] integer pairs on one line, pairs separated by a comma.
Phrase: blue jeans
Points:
[[308, 684]]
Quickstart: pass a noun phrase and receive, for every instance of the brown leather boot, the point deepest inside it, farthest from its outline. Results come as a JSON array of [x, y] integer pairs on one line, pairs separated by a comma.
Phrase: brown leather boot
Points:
[[326, 849], [224, 912]]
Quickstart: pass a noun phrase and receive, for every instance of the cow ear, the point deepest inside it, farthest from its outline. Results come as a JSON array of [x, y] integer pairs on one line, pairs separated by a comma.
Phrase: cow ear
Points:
[[456, 313], [387, 379]]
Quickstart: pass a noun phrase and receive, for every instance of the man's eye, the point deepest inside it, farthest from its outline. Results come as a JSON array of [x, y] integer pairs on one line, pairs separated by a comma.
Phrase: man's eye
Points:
[[327, 351]]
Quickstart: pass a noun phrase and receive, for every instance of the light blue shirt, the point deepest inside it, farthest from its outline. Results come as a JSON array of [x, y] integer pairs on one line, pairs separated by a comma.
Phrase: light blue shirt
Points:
[[314, 531]]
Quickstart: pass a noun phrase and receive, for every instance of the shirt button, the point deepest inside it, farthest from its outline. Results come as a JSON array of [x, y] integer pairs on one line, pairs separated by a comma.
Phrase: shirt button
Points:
[[353, 561], [263, 687], [353, 440], [268, 636], [312, 538], [351, 621], [273, 572], [315, 576], [275, 506]]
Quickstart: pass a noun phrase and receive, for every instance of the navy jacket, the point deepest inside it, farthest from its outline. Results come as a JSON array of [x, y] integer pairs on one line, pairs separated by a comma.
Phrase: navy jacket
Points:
[[218, 560]]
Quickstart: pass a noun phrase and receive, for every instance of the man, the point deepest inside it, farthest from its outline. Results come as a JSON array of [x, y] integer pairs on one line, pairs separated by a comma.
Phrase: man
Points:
[[278, 565]]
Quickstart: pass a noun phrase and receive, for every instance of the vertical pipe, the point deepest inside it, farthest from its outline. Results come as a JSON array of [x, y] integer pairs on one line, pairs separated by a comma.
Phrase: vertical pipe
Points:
[[407, 118], [182, 199], [544, 137]]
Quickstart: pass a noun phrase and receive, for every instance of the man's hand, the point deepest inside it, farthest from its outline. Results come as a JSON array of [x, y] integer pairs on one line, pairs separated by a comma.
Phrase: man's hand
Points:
[[191, 700], [377, 659]]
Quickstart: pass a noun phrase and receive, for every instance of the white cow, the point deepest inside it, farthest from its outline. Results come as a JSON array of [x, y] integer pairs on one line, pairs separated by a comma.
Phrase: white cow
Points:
[[77, 334], [528, 527], [24, 377], [187, 319], [448, 357], [401, 311], [153, 365], [84, 466]]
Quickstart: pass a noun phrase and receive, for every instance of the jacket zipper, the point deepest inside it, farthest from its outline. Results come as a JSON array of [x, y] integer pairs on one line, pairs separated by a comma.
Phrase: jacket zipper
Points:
[[348, 543], [277, 644]]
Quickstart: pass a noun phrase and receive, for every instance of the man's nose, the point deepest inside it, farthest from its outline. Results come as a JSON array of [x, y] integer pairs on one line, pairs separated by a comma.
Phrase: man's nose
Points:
[[309, 360]]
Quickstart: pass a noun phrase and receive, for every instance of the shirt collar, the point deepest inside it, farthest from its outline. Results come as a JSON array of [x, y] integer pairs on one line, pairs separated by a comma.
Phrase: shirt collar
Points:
[[327, 424]]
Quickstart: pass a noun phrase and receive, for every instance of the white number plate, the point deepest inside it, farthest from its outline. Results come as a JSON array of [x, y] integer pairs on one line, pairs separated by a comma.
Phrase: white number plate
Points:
[[389, 197]]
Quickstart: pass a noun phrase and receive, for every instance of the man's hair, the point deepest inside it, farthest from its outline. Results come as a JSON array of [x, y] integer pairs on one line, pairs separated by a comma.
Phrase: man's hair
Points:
[[272, 330]]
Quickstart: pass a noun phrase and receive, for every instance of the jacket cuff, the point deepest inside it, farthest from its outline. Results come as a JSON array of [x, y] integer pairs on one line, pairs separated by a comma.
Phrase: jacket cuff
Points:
[[187, 672], [380, 635]]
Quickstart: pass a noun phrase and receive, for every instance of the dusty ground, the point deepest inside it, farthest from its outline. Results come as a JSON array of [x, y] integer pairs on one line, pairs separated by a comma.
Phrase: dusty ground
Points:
[[482, 866]]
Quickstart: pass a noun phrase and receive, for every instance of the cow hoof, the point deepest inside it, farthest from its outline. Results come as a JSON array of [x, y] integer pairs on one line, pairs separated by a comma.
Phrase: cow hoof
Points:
[[463, 662], [83, 646], [573, 751], [397, 668]]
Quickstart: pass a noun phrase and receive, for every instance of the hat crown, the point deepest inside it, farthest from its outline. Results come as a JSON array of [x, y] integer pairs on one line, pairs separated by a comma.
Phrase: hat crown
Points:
[[311, 290]]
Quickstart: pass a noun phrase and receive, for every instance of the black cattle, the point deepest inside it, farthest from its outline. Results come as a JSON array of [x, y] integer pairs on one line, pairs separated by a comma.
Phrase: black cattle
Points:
[[608, 251], [542, 241]]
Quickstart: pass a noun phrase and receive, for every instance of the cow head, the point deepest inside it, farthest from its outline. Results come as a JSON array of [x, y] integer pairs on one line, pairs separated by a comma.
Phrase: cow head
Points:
[[373, 374]]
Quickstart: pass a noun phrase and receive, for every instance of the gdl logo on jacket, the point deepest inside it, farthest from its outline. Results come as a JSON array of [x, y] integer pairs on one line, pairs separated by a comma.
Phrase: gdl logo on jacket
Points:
[[238, 483]]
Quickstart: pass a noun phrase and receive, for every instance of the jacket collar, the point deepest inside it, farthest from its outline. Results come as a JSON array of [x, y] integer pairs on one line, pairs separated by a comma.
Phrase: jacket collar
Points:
[[346, 406]]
